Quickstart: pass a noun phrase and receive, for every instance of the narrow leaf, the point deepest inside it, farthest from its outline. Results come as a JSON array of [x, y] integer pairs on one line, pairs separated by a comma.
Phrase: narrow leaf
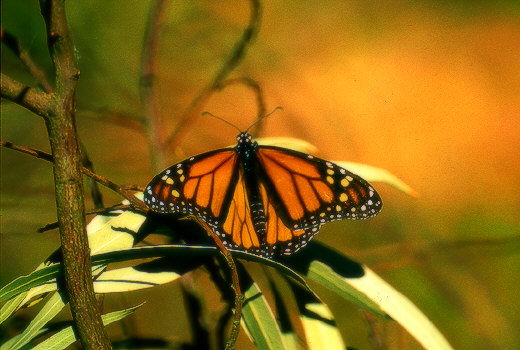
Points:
[[54, 305], [259, 320], [66, 336], [39, 277], [375, 174], [325, 276], [289, 142], [128, 279], [393, 303], [319, 333], [10, 307]]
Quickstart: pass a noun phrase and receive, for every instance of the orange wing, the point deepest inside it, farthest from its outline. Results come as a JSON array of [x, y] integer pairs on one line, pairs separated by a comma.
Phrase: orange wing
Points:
[[237, 230], [306, 191], [198, 186], [279, 237]]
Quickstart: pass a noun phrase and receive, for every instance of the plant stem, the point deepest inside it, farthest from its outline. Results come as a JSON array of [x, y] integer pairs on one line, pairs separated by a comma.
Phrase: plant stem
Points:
[[149, 59], [239, 297], [36, 71]]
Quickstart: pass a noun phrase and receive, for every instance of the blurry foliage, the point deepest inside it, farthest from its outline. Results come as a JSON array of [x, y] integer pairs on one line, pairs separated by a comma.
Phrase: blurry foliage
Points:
[[429, 90]]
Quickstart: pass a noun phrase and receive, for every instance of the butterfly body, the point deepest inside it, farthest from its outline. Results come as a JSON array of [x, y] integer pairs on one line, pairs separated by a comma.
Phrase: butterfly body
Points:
[[246, 150], [262, 199]]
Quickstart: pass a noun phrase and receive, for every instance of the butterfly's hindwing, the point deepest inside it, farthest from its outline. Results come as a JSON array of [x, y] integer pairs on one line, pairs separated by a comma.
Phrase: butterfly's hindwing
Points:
[[279, 238], [237, 229]]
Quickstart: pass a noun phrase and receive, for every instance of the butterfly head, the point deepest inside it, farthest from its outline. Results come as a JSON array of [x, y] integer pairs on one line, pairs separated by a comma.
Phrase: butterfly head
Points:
[[245, 144], [245, 139]]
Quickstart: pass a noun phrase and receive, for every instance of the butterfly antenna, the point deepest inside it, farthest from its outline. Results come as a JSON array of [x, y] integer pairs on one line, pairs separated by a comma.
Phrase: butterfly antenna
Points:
[[262, 118], [222, 119]]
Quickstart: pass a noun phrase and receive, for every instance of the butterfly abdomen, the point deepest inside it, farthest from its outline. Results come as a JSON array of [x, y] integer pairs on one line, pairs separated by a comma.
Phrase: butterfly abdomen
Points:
[[246, 150]]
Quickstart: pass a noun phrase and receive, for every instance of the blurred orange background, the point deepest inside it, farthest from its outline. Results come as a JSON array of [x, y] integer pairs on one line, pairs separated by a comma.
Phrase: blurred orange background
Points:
[[427, 90]]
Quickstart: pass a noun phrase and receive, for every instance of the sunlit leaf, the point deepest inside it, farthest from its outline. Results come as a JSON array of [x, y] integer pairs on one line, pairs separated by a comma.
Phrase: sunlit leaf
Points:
[[375, 174], [319, 333], [114, 231], [50, 272], [325, 276], [368, 172], [128, 279]]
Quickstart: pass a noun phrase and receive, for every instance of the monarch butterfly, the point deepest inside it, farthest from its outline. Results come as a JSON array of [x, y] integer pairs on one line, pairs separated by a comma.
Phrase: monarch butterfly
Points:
[[262, 199]]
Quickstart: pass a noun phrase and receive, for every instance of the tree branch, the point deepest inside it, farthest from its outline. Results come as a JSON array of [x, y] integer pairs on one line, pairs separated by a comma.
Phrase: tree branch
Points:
[[233, 60], [34, 100], [12, 42], [260, 100], [68, 181]]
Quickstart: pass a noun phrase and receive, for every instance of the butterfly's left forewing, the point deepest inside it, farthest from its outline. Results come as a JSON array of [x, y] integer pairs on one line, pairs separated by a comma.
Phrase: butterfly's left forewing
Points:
[[197, 186]]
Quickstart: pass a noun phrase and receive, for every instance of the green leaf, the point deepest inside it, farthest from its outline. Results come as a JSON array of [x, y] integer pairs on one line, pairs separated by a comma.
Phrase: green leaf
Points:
[[259, 320], [325, 276], [66, 336], [24, 283], [105, 233], [53, 306], [331, 273], [10, 307], [369, 290]]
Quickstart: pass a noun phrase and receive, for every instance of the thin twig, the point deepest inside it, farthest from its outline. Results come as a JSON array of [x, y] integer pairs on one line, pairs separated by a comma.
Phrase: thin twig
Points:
[[239, 297], [36, 71], [260, 100], [33, 152], [33, 99], [149, 59], [119, 118], [122, 190], [233, 60]]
